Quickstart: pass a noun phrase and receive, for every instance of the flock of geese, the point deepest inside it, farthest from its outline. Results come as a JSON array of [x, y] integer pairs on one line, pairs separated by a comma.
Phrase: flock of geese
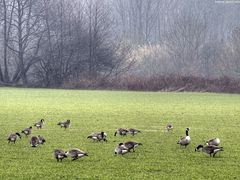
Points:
[[211, 147]]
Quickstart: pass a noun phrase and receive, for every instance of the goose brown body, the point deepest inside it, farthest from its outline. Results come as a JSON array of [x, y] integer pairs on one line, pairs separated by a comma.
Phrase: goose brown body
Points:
[[121, 132], [121, 149], [41, 139], [59, 154], [133, 131], [27, 131], [130, 145], [13, 137], [76, 153], [34, 142], [39, 124], [214, 142], [64, 124], [98, 136], [209, 149], [169, 127]]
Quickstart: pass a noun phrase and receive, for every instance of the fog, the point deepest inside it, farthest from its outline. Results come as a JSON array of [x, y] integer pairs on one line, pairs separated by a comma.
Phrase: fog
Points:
[[51, 43]]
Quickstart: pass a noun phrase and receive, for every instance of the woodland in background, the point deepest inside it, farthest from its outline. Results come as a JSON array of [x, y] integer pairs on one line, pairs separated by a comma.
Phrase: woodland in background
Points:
[[125, 44]]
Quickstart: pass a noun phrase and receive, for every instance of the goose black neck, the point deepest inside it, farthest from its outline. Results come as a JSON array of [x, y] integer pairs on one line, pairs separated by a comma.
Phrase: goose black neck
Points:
[[186, 132]]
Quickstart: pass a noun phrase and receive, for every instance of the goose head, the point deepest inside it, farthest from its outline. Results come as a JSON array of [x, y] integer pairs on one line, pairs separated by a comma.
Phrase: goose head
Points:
[[198, 147]]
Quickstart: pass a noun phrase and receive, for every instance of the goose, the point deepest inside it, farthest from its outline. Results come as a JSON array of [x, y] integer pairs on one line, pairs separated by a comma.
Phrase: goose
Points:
[[39, 124], [27, 131], [214, 141], [169, 127], [130, 145], [185, 140], [41, 139], [13, 137], [209, 149], [133, 131], [98, 136], [34, 141], [59, 154], [76, 153], [121, 132], [65, 124], [121, 149]]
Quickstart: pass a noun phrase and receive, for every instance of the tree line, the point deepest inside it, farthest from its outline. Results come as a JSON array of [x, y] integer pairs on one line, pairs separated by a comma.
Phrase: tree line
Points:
[[51, 43]]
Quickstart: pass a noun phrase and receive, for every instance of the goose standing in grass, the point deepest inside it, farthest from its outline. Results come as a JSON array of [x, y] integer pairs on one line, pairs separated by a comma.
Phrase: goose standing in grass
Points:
[[130, 145], [98, 136], [214, 141], [76, 153], [13, 137], [34, 141], [39, 124], [59, 154], [185, 140], [121, 149], [133, 131], [209, 149], [121, 132], [169, 127], [27, 131], [64, 124], [41, 139]]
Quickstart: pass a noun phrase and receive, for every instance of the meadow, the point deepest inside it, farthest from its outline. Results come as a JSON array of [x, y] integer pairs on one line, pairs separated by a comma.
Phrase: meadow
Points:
[[207, 115]]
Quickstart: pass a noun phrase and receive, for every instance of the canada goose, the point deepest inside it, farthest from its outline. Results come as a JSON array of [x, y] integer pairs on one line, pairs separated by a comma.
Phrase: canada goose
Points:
[[13, 137], [169, 127], [185, 140], [98, 136], [133, 131], [214, 141], [34, 141], [131, 145], [27, 131], [121, 132], [59, 154], [209, 149], [121, 149], [39, 124], [76, 153], [41, 139], [65, 124]]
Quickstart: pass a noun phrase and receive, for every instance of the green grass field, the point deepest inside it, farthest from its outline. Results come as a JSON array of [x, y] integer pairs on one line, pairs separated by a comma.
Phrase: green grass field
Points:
[[207, 115]]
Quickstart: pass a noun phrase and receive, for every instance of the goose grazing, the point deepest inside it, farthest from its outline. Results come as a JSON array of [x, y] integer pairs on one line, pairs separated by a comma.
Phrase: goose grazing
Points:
[[169, 127], [214, 142], [121, 149], [209, 149], [98, 136], [59, 154], [27, 131], [65, 124], [34, 141], [133, 131], [76, 153], [130, 145], [41, 139], [13, 137], [39, 124], [185, 140], [121, 132]]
